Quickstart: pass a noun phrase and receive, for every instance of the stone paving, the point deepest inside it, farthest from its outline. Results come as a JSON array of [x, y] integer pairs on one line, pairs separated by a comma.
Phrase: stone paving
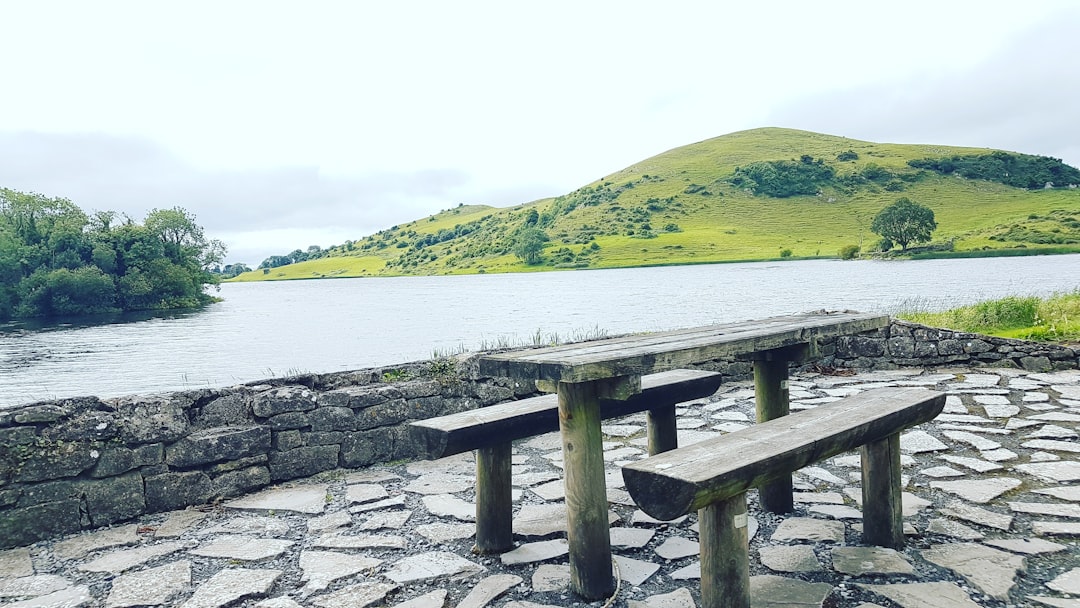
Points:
[[991, 505]]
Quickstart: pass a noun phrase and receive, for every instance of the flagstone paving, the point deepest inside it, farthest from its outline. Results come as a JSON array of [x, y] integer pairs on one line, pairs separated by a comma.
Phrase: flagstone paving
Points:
[[991, 505]]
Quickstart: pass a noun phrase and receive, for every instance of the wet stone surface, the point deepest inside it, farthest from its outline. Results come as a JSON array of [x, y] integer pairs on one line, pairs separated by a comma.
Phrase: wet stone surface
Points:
[[991, 510]]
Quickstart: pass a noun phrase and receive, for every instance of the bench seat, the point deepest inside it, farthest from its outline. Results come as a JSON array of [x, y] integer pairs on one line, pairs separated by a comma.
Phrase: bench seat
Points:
[[491, 430], [712, 476]]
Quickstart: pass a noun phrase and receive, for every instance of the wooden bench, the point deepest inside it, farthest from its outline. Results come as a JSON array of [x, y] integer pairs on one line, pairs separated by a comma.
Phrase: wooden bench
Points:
[[713, 476], [490, 430]]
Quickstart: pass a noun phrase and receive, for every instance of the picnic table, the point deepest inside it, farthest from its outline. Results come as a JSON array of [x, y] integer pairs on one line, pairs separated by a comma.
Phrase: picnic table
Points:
[[587, 373]]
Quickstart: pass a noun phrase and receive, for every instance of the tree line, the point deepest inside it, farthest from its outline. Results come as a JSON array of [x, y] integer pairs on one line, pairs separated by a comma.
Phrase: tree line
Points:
[[57, 260]]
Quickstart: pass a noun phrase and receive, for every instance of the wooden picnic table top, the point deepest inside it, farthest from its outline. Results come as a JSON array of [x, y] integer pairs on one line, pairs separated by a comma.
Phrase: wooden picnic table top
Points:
[[640, 354]]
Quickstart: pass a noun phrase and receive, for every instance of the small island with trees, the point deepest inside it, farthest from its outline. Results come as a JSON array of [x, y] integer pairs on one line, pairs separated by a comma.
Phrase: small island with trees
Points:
[[56, 260]]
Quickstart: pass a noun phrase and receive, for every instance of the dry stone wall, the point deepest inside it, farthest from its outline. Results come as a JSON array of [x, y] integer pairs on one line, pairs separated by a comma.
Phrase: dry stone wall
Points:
[[88, 462]]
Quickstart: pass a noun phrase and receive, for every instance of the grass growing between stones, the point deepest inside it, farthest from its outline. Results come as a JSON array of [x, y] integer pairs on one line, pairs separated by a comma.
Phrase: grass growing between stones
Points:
[[1056, 318]]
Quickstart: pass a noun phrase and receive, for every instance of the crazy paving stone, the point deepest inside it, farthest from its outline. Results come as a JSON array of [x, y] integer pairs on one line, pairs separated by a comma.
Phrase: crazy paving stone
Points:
[[551, 577], [1045, 508], [365, 492], [379, 505], [983, 517], [1056, 417], [445, 505], [1068, 582], [330, 521], [822, 475], [975, 464], [924, 595], [634, 571], [355, 596], [36, 585], [978, 490], [426, 566], [1065, 470], [680, 598], [439, 484], [300, 499], [150, 587], [976, 441], [528, 480], [859, 561], [536, 552], [1027, 546], [1052, 431], [1052, 445], [836, 511], [1043, 457], [324, 567], [83, 544], [277, 602], [393, 520], [16, 563], [947, 527], [827, 498], [640, 517], [789, 558], [178, 523], [70, 597], [987, 569], [693, 571], [458, 464], [1020, 423], [359, 541], [1055, 528], [807, 528], [917, 442], [678, 547], [441, 533], [941, 472], [1055, 602], [260, 526], [370, 476], [125, 559], [433, 599], [1001, 410], [1070, 493], [243, 548], [230, 585], [488, 589], [770, 591], [999, 455]]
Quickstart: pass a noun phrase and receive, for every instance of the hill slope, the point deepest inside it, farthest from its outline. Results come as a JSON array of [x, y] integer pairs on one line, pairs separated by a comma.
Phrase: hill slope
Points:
[[745, 196]]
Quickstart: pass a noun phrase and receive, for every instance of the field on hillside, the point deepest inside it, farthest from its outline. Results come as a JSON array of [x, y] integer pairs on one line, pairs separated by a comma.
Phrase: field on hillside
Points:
[[695, 204]]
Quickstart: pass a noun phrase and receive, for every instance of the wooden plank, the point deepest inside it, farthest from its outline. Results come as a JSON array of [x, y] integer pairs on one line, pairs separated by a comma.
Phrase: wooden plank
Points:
[[684, 480], [771, 398], [725, 559], [465, 431], [586, 490], [883, 519], [494, 499], [671, 350]]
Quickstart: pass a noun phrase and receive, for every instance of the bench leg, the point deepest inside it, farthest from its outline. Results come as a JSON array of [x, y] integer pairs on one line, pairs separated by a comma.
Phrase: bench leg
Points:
[[586, 491], [772, 400], [725, 560], [663, 433], [883, 517], [494, 508]]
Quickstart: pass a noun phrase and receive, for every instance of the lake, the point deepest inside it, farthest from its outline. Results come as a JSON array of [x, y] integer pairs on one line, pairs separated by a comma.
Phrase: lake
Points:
[[264, 330]]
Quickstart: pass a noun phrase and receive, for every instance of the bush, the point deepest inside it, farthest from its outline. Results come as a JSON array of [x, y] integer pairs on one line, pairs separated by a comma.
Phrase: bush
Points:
[[847, 155], [849, 252], [785, 253]]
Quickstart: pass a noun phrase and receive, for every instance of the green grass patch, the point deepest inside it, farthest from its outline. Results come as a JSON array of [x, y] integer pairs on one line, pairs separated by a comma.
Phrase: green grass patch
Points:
[[1056, 318]]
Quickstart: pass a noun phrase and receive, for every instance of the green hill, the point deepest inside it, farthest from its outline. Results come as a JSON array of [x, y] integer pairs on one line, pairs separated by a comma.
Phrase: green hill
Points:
[[752, 195]]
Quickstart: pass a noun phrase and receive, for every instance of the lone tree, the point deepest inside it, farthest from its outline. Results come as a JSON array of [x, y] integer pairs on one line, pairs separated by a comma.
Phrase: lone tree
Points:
[[904, 222], [528, 244]]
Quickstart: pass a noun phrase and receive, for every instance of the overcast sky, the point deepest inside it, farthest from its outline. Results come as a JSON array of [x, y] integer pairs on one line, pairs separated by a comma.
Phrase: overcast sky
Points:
[[288, 124]]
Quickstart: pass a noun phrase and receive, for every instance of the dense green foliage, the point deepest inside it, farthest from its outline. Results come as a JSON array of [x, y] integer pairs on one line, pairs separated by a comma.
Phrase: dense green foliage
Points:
[[55, 260], [904, 222], [1016, 170], [529, 243], [1030, 318], [784, 178]]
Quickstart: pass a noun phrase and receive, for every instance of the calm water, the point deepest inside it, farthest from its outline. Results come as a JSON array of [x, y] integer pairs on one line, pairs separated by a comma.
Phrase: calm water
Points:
[[263, 330]]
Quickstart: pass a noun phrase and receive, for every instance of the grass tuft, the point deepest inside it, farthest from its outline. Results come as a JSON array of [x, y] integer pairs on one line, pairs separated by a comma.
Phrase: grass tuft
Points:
[[1056, 318]]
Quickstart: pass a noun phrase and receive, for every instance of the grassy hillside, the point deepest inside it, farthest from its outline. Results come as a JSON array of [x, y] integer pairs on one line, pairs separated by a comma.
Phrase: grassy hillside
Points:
[[696, 204]]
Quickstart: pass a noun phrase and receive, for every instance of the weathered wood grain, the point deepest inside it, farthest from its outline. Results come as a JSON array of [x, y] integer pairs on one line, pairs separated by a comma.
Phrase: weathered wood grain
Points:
[[494, 499], [725, 559], [771, 396], [883, 522], [656, 352], [465, 431], [680, 481]]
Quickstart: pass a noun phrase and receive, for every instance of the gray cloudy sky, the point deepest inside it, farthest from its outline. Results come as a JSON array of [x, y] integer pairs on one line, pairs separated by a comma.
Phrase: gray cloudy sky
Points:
[[288, 124]]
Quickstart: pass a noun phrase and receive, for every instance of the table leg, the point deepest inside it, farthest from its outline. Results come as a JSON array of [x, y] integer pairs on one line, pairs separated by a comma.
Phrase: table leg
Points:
[[772, 396], [494, 503], [663, 431], [883, 517], [586, 491]]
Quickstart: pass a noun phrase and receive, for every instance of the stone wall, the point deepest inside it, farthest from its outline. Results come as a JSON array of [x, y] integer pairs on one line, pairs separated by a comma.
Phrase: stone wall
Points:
[[79, 463]]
